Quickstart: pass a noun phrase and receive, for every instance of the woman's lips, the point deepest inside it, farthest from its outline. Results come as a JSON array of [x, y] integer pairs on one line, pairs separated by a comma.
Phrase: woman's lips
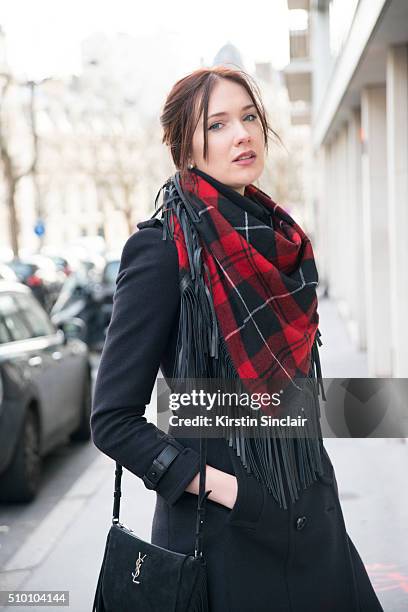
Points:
[[245, 162]]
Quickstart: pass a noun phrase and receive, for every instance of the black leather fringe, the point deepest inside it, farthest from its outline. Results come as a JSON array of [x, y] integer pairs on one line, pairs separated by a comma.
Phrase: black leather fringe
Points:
[[285, 465]]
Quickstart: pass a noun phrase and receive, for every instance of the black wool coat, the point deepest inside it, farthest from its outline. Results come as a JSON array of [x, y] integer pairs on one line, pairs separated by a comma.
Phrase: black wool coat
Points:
[[259, 556]]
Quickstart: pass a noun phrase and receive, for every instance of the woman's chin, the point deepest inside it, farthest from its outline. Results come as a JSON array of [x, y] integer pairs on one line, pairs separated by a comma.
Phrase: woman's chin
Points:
[[249, 173]]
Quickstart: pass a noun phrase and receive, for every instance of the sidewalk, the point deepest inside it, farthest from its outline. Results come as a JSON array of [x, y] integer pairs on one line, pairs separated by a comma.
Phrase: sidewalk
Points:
[[71, 560], [339, 359], [371, 476]]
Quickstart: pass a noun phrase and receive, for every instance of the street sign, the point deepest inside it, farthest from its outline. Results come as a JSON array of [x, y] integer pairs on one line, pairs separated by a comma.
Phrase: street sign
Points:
[[39, 228]]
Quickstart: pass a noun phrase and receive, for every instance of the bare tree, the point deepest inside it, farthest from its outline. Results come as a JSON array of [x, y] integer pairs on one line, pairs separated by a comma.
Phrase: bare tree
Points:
[[119, 156], [12, 171]]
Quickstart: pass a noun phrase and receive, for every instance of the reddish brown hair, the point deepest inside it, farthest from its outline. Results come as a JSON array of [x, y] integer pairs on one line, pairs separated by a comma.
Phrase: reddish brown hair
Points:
[[178, 116]]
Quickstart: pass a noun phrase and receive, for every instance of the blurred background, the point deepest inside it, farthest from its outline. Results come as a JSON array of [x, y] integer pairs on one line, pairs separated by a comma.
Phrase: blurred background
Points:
[[82, 85]]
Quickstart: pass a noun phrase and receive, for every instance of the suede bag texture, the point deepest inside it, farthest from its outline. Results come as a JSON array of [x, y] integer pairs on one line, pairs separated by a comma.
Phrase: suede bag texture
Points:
[[166, 581]]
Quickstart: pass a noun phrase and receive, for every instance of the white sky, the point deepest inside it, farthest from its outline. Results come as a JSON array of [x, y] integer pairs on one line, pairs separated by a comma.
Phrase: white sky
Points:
[[44, 36]]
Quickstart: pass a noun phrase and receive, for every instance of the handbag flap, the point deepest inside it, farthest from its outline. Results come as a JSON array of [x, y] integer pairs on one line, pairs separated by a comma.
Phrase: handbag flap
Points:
[[145, 576]]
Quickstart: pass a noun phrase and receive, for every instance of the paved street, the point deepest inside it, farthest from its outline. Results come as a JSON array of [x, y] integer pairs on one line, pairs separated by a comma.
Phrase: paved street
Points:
[[58, 541]]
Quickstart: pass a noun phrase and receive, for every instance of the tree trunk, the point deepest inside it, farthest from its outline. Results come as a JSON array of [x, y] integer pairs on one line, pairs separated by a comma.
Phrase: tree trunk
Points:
[[128, 217], [13, 220]]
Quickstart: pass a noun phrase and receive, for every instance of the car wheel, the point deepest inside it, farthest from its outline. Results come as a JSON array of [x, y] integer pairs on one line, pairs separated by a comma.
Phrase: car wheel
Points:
[[21, 480], [83, 432]]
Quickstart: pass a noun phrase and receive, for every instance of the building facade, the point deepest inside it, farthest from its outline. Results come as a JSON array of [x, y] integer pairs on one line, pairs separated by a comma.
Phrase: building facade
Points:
[[355, 89]]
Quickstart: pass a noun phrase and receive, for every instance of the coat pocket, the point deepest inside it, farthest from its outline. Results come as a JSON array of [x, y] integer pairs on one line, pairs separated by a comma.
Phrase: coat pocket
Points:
[[248, 505]]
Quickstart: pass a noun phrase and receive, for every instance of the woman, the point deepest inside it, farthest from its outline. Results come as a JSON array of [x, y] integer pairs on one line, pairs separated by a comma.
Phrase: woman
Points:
[[224, 286]]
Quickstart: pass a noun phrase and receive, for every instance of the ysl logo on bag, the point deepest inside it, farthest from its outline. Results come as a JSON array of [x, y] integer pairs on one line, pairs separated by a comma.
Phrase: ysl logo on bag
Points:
[[136, 573]]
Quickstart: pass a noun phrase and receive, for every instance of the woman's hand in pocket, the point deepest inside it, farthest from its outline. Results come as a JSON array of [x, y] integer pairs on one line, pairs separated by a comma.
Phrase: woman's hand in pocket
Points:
[[223, 486]]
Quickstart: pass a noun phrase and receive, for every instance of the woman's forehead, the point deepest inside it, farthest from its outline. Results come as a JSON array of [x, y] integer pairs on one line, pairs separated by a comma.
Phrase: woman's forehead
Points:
[[225, 100]]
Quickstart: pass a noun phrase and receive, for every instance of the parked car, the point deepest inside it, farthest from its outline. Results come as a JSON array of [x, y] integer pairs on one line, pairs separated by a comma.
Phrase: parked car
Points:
[[45, 389], [111, 270], [104, 290], [7, 273], [79, 297], [62, 264], [42, 276]]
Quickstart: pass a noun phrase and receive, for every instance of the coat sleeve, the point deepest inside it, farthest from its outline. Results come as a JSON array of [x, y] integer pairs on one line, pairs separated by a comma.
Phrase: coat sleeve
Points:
[[144, 312]]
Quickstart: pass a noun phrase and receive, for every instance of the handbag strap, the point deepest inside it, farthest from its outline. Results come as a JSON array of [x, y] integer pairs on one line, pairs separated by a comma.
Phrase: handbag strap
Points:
[[202, 498], [202, 494]]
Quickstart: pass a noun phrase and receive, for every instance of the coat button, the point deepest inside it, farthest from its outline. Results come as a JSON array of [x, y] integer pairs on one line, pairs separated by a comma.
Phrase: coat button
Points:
[[300, 522]]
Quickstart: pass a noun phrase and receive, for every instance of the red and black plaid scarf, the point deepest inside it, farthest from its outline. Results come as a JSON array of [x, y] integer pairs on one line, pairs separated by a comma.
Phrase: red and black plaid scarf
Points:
[[248, 307]]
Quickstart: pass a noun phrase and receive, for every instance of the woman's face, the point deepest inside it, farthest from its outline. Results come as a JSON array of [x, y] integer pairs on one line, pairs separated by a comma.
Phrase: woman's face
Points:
[[231, 132]]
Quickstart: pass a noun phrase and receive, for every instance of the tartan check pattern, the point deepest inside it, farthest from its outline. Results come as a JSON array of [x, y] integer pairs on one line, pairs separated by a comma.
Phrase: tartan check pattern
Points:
[[262, 280]]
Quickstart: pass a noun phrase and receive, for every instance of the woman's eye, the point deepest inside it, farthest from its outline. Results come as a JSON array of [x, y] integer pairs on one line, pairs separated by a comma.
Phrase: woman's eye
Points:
[[219, 123]]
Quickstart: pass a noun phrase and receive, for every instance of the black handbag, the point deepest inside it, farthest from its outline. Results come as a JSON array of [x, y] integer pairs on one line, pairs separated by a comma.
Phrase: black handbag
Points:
[[137, 575]]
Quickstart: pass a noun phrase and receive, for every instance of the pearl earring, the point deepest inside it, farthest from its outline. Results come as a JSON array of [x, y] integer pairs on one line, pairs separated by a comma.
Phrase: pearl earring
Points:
[[190, 166]]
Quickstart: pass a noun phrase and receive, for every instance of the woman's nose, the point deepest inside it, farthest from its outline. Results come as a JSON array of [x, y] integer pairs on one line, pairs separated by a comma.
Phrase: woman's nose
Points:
[[241, 133]]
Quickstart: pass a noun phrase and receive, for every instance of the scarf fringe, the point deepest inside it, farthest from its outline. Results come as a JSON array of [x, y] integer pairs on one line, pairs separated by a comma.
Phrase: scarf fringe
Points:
[[198, 337], [285, 465], [316, 363]]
